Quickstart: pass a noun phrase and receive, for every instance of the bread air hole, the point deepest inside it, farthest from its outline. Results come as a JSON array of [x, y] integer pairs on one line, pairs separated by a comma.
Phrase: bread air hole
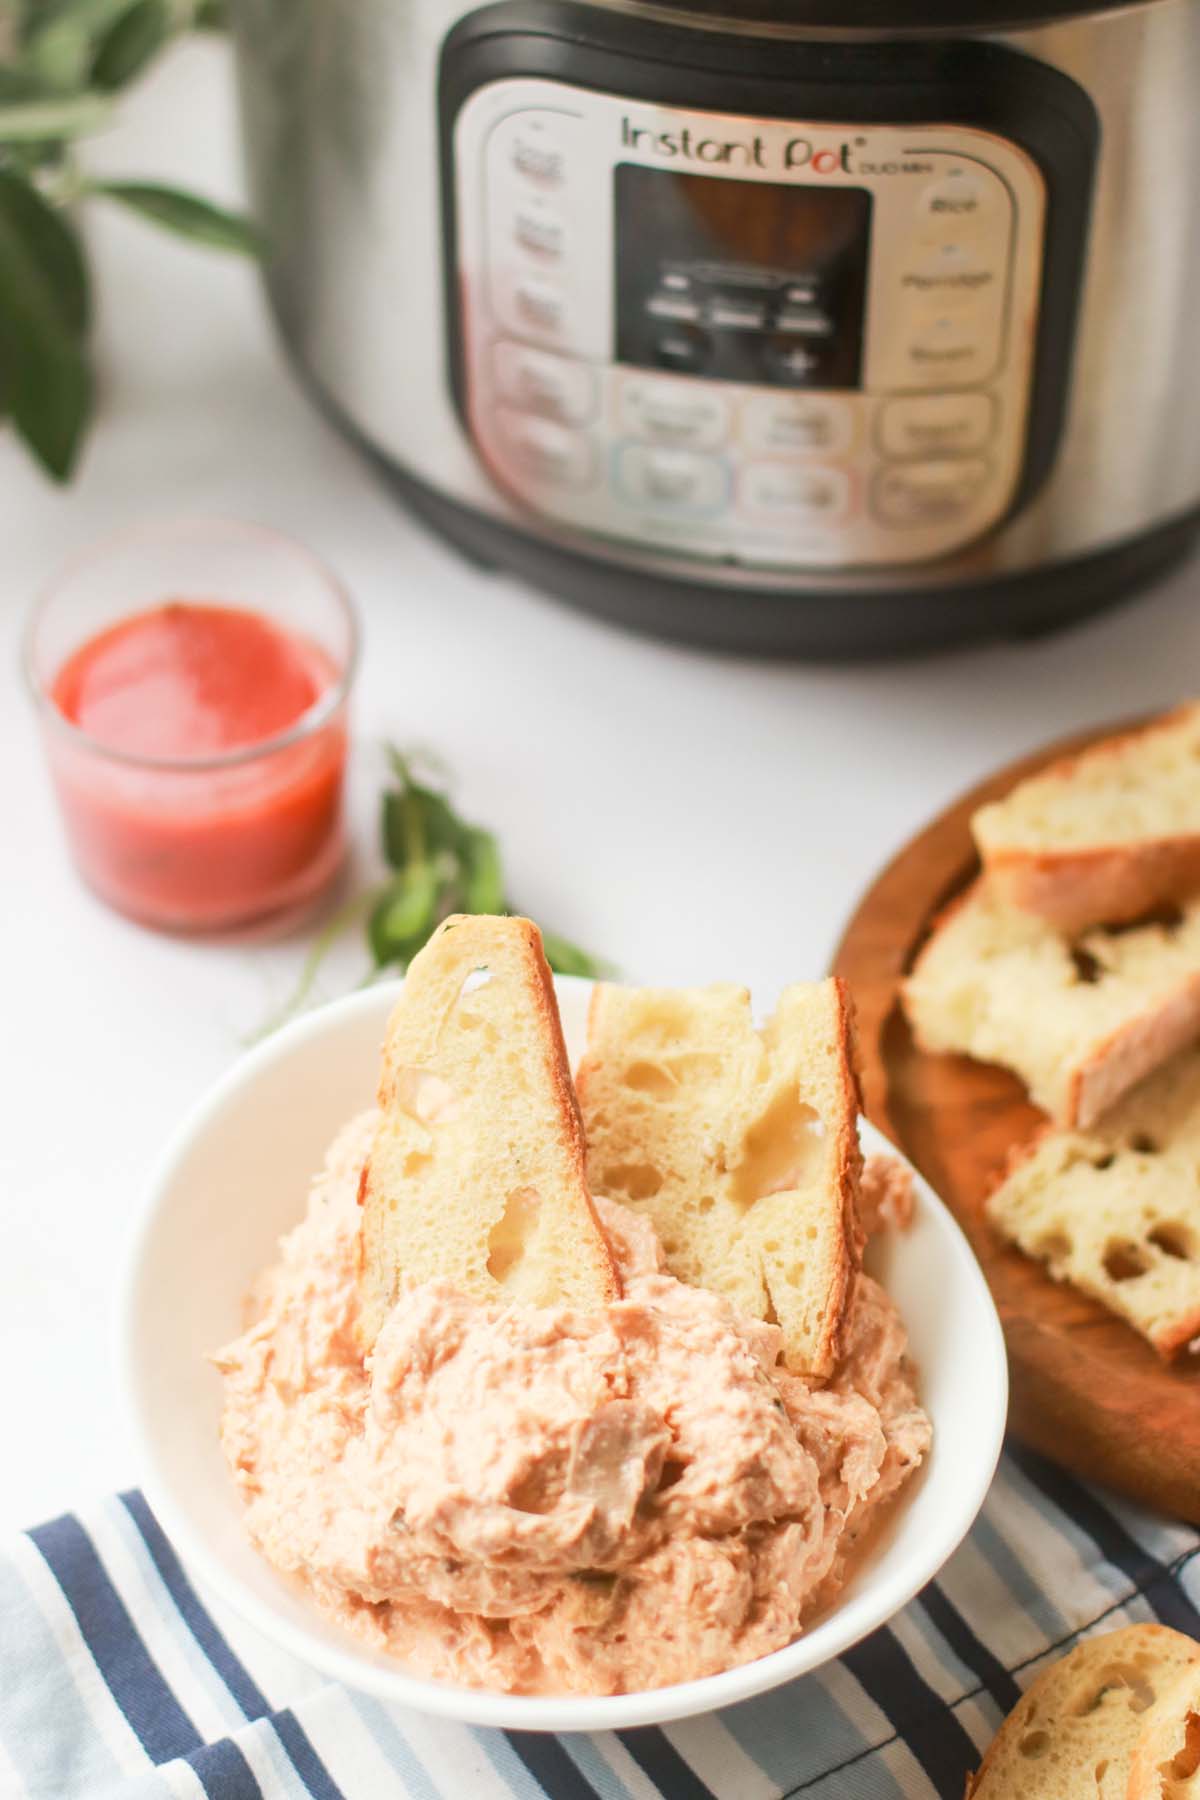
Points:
[[424, 1096], [637, 1181], [1055, 1247], [1124, 1261], [511, 1233], [1121, 1684], [777, 1151], [1034, 1744], [669, 1075], [1145, 1146], [1174, 1239], [1087, 968]]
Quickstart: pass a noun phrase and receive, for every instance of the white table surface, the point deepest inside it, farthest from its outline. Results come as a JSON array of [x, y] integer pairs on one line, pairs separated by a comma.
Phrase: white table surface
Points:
[[693, 817]]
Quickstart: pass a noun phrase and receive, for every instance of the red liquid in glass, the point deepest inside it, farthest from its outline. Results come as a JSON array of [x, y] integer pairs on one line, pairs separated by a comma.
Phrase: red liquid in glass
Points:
[[192, 846]]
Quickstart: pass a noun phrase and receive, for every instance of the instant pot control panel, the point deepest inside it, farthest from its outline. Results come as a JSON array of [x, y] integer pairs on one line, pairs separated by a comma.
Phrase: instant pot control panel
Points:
[[780, 341]]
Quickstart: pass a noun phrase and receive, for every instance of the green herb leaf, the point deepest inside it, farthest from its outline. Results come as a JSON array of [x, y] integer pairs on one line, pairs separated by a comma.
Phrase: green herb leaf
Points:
[[52, 247], [211, 15], [133, 42], [566, 958], [483, 875], [23, 120], [186, 214], [43, 314], [404, 916]]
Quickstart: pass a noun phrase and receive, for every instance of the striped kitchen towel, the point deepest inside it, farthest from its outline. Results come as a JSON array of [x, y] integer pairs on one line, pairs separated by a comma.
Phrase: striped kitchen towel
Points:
[[120, 1681]]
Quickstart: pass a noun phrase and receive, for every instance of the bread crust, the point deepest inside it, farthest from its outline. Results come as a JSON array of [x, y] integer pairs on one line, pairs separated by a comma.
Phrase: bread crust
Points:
[[518, 940], [1167, 1735], [1113, 885], [1113, 1065], [847, 1160], [1055, 1686], [1131, 1053], [1099, 884]]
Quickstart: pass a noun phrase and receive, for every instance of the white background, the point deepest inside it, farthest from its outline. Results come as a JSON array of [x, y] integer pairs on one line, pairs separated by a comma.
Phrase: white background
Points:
[[693, 817]]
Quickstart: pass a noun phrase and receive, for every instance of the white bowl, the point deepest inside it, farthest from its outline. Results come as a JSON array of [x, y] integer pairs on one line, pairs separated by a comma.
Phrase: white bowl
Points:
[[234, 1177]]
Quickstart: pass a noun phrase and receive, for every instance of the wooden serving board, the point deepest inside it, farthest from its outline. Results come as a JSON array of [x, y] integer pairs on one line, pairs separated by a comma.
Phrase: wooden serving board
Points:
[[1086, 1389]]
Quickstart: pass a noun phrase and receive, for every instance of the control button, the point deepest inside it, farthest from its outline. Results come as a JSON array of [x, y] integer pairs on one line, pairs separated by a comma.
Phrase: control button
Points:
[[791, 362], [537, 148], [683, 347], [543, 450], [801, 293], [538, 229], [675, 479], [964, 197], [806, 322], [954, 260], [794, 492], [673, 305], [802, 423], [928, 493], [674, 413], [950, 286], [541, 382], [946, 343], [530, 304], [936, 424], [736, 315]]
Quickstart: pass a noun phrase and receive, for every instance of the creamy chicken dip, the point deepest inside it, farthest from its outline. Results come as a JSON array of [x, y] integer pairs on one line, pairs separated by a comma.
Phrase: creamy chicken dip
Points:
[[544, 1501]]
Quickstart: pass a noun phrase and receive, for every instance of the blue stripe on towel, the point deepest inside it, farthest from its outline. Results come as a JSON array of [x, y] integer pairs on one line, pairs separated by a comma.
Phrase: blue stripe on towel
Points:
[[1083, 1506], [232, 1671], [933, 1734], [654, 1752], [551, 1767], [133, 1679], [224, 1772], [74, 1667], [217, 1648], [970, 1650]]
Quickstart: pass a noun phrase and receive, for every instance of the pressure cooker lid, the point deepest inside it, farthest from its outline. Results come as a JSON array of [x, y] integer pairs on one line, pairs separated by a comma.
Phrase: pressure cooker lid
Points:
[[893, 16]]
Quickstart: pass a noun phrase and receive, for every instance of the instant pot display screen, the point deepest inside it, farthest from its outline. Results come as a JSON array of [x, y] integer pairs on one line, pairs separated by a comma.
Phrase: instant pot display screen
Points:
[[741, 280]]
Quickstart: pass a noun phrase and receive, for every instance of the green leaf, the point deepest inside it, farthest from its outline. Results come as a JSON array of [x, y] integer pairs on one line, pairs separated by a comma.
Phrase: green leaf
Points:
[[52, 244], [404, 915], [187, 214], [47, 379], [211, 15], [66, 118], [483, 887], [566, 958], [131, 44]]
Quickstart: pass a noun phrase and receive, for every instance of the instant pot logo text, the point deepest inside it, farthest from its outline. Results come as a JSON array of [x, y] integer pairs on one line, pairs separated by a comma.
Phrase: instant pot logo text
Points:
[[844, 156]]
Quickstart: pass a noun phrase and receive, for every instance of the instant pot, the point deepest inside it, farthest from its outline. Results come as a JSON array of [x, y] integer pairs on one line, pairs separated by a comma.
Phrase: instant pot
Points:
[[825, 326]]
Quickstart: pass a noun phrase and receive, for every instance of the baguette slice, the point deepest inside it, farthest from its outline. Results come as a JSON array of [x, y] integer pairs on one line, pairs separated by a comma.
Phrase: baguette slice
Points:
[[1075, 1731], [477, 1169], [1104, 837], [1117, 1211], [741, 1146], [1080, 1023], [1166, 1758]]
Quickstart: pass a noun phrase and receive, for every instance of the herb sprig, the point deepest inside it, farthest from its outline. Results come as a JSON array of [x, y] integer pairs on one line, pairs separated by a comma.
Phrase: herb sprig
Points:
[[62, 65], [440, 864]]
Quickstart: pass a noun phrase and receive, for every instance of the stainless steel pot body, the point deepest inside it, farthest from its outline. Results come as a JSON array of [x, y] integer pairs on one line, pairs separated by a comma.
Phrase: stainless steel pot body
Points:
[[341, 113]]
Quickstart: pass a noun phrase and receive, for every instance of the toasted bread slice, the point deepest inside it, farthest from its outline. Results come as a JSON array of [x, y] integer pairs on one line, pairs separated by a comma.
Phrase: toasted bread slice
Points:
[[1076, 1730], [1080, 1023], [741, 1146], [1104, 837], [477, 1170], [1116, 1210], [1166, 1758]]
